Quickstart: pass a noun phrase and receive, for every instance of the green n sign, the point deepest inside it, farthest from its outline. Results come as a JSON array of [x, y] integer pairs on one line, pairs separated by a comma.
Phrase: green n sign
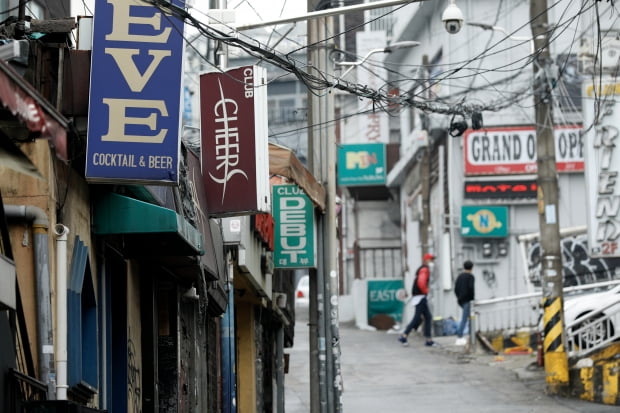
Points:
[[484, 221]]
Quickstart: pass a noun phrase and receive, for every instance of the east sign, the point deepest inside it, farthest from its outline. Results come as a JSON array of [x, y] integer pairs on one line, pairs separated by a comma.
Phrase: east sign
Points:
[[135, 93], [295, 228]]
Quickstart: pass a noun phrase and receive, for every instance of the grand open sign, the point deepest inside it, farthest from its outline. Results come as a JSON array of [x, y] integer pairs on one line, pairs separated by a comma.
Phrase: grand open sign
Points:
[[512, 150]]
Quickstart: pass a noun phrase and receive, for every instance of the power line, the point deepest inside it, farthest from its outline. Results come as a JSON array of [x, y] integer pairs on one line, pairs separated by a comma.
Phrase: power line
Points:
[[320, 82]]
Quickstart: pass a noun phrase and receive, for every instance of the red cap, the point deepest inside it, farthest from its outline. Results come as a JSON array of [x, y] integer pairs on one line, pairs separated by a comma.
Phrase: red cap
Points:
[[428, 256]]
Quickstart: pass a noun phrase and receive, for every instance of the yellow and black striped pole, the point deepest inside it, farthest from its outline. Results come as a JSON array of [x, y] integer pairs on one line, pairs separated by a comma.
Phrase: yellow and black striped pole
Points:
[[556, 362]]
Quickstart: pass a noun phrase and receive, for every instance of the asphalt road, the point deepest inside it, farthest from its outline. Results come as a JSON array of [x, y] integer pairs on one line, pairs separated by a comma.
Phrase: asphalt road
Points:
[[380, 375]]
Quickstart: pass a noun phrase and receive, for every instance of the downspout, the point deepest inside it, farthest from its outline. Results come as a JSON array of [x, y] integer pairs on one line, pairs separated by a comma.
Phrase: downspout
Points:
[[229, 362], [61, 233], [45, 348]]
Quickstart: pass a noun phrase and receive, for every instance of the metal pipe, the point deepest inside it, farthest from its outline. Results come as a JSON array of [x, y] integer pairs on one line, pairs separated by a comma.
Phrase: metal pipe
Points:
[[279, 396], [45, 344], [61, 233], [227, 330], [324, 13]]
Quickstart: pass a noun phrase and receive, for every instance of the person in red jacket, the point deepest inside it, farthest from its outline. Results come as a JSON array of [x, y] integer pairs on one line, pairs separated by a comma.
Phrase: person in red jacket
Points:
[[419, 300]]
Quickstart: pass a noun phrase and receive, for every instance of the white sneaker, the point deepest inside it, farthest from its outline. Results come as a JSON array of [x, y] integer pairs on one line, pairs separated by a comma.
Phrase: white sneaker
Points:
[[460, 341]]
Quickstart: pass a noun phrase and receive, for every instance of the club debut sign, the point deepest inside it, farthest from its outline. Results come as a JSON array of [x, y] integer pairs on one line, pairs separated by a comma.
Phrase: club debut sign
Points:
[[295, 228]]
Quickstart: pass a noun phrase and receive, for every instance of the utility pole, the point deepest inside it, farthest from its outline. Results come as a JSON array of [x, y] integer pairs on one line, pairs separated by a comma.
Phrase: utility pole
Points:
[[425, 178], [324, 340], [554, 346], [321, 162]]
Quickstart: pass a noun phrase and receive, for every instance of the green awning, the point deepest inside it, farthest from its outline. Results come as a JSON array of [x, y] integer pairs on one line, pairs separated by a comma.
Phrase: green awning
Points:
[[147, 229]]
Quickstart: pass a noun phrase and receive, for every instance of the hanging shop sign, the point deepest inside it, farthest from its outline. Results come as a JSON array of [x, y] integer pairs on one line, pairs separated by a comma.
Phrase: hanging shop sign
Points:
[[135, 93], [263, 226], [373, 123], [361, 164], [235, 159], [484, 221], [602, 167], [295, 228], [512, 150], [504, 190]]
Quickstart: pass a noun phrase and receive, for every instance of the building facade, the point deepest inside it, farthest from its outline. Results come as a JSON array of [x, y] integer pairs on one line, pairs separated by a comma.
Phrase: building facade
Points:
[[466, 176], [124, 297]]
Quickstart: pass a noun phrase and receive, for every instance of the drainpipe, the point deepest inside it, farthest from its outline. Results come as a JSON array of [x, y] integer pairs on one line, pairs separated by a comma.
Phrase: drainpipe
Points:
[[45, 348], [61, 233], [229, 361]]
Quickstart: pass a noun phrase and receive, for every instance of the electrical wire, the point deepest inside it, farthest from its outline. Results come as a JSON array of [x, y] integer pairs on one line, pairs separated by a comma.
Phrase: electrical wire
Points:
[[316, 81]]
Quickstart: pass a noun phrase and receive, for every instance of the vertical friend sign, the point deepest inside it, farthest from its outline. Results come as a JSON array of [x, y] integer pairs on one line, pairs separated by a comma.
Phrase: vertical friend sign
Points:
[[135, 93], [295, 228], [603, 166]]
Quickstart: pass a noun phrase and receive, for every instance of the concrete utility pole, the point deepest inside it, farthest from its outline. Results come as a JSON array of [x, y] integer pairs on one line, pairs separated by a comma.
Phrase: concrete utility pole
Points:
[[425, 172], [556, 362], [324, 341]]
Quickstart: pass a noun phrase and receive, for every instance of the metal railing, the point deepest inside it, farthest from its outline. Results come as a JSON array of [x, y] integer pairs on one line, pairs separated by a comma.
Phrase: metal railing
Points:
[[377, 262], [593, 331], [24, 389], [510, 314]]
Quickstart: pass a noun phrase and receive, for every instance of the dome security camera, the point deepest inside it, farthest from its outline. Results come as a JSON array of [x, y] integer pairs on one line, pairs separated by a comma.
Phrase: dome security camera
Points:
[[452, 18]]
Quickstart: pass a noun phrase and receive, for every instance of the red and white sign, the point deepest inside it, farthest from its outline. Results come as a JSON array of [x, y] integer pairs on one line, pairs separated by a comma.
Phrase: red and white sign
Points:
[[235, 158], [512, 150]]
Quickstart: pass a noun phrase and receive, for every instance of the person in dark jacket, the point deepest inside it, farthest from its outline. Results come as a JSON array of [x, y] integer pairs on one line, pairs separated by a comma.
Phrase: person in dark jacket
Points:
[[465, 293], [422, 312]]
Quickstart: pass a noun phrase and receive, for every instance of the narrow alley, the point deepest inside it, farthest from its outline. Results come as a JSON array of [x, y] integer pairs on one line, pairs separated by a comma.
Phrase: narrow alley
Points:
[[380, 375]]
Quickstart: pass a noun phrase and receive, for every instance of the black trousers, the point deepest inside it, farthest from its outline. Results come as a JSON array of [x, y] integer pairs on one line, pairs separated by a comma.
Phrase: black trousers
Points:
[[421, 312]]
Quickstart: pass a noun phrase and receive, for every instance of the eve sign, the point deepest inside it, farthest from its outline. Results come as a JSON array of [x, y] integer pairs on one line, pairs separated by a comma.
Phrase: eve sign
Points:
[[295, 228], [135, 93]]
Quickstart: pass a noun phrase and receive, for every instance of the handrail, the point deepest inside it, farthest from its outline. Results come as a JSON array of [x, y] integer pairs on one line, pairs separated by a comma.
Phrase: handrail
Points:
[[592, 332], [539, 293], [518, 311]]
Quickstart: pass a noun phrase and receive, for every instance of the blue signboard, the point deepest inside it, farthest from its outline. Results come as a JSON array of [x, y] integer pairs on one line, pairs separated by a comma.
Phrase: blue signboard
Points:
[[135, 93]]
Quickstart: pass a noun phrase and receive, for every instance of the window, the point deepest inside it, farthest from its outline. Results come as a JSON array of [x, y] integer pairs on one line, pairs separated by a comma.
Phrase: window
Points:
[[285, 110], [81, 325]]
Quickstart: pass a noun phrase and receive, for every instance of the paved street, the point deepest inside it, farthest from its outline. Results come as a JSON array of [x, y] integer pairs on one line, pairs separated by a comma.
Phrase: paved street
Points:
[[379, 375]]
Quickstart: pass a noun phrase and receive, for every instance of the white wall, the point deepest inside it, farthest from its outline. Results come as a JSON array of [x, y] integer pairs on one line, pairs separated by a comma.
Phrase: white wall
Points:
[[499, 276]]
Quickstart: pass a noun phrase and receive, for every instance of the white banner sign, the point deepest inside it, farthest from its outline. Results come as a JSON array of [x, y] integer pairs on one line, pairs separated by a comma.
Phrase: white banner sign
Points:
[[374, 122], [602, 166]]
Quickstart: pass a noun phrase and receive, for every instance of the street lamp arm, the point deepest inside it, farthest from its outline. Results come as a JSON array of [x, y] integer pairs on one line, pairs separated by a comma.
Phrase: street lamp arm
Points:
[[388, 49], [485, 26], [325, 13], [359, 62]]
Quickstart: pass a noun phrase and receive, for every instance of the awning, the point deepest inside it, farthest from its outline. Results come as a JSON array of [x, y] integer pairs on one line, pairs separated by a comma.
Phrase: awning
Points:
[[282, 161], [148, 230], [32, 109]]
